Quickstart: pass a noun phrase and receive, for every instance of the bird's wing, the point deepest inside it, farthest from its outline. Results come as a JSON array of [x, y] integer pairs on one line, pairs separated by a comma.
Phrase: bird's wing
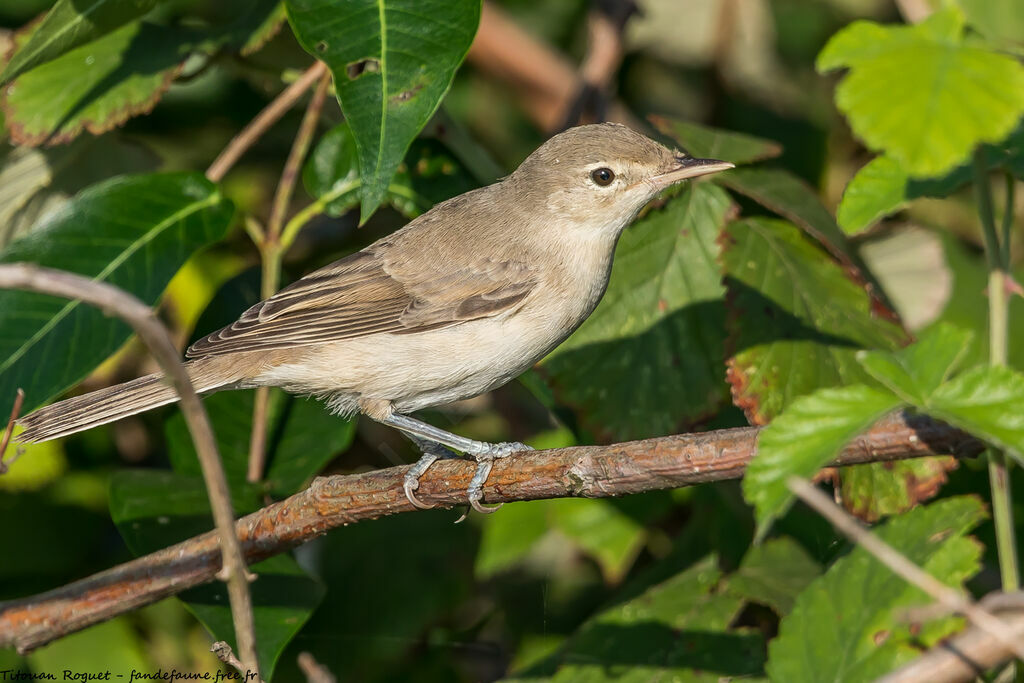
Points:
[[362, 294]]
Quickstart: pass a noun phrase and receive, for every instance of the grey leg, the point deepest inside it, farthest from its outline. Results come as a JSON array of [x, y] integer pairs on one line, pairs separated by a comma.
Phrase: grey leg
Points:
[[431, 452], [483, 453]]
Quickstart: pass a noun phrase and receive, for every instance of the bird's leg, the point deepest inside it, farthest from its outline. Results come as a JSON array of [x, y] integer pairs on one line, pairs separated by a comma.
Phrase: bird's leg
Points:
[[431, 451], [483, 453]]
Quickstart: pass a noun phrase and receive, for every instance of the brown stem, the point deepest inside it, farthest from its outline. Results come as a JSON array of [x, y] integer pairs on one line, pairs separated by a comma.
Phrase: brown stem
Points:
[[263, 121], [19, 398], [584, 471], [271, 254], [225, 552]]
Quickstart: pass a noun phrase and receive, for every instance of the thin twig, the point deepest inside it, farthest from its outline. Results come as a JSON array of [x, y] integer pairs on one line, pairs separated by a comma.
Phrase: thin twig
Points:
[[223, 652], [156, 337], [19, 398], [584, 471], [271, 252], [315, 671], [951, 598], [263, 121]]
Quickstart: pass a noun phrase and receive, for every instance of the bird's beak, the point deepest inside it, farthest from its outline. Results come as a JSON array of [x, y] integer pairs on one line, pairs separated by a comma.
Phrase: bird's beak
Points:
[[688, 167]]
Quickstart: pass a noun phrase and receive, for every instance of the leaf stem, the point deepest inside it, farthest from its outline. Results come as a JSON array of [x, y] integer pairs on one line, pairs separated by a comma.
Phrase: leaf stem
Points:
[[998, 312]]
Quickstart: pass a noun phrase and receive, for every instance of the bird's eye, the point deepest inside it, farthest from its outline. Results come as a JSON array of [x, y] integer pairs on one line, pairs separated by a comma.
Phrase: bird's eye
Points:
[[602, 176]]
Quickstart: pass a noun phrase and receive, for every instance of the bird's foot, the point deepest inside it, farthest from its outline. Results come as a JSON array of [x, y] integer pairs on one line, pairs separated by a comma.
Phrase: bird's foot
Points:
[[484, 462], [432, 452]]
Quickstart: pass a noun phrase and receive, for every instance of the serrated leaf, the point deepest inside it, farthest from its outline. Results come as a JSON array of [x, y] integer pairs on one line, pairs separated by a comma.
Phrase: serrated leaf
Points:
[[302, 437], [843, 626], [392, 62], [36, 182], [155, 509], [69, 24], [712, 143], [602, 531], [881, 489], [985, 401], [915, 372], [796, 318], [648, 361], [97, 86], [921, 94], [134, 232], [677, 630], [427, 176], [807, 435], [773, 573]]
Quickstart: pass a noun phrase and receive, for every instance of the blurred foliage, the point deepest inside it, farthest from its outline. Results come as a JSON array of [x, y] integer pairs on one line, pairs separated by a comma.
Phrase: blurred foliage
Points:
[[838, 273]]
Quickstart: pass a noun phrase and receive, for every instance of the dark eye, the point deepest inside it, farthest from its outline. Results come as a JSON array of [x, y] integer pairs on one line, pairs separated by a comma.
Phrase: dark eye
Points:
[[602, 176]]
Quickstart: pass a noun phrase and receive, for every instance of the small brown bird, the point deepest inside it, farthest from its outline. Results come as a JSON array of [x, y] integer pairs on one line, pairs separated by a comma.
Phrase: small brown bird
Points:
[[459, 301]]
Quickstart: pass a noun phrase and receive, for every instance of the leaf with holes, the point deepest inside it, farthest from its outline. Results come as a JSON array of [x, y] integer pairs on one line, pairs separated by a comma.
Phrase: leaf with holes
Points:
[[69, 24], [711, 143], [845, 626], [97, 86], [392, 61], [648, 361], [796, 319], [133, 232], [922, 94]]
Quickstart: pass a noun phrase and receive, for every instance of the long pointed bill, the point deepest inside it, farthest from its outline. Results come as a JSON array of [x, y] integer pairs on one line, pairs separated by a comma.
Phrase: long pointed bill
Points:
[[691, 168]]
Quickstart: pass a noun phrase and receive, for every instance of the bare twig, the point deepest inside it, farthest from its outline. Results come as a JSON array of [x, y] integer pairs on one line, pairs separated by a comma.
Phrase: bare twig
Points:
[[271, 253], [19, 398], [951, 598], [263, 121], [585, 471], [228, 552], [315, 671], [222, 651]]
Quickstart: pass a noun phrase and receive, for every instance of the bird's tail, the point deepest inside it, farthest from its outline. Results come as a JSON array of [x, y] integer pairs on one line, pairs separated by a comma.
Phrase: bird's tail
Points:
[[100, 407]]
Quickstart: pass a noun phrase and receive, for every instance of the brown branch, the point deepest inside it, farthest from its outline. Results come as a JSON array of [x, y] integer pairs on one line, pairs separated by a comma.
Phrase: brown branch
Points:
[[226, 551], [271, 252], [583, 471], [951, 598], [263, 121], [19, 398], [222, 651]]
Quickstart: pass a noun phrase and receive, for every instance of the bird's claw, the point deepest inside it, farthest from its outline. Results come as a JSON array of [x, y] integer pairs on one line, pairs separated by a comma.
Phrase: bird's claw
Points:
[[412, 477], [484, 463]]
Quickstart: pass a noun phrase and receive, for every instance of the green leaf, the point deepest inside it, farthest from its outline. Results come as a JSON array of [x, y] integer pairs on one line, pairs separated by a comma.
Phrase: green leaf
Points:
[[69, 24], [601, 530], [773, 573], [428, 175], [392, 62], [648, 361], [921, 94], [1001, 21], [712, 143], [114, 645], [97, 86], [807, 435], [506, 539], [155, 509], [796, 318], [35, 182], [985, 401], [915, 372], [881, 489], [133, 232], [242, 25], [844, 626], [302, 437]]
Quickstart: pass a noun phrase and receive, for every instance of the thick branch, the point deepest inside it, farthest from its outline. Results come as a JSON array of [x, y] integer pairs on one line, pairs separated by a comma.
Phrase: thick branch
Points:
[[156, 337], [585, 471]]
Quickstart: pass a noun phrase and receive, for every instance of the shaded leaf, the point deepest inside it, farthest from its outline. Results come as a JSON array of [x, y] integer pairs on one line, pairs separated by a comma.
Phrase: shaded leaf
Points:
[[302, 437], [97, 86], [602, 531], [242, 25], [677, 630], [843, 626], [921, 94], [69, 24], [392, 62], [156, 509], [796, 318], [133, 232], [712, 143], [773, 573], [807, 435], [506, 539], [35, 182], [648, 361]]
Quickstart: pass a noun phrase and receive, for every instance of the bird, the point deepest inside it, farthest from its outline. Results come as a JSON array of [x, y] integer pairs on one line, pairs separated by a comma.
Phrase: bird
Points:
[[459, 301]]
